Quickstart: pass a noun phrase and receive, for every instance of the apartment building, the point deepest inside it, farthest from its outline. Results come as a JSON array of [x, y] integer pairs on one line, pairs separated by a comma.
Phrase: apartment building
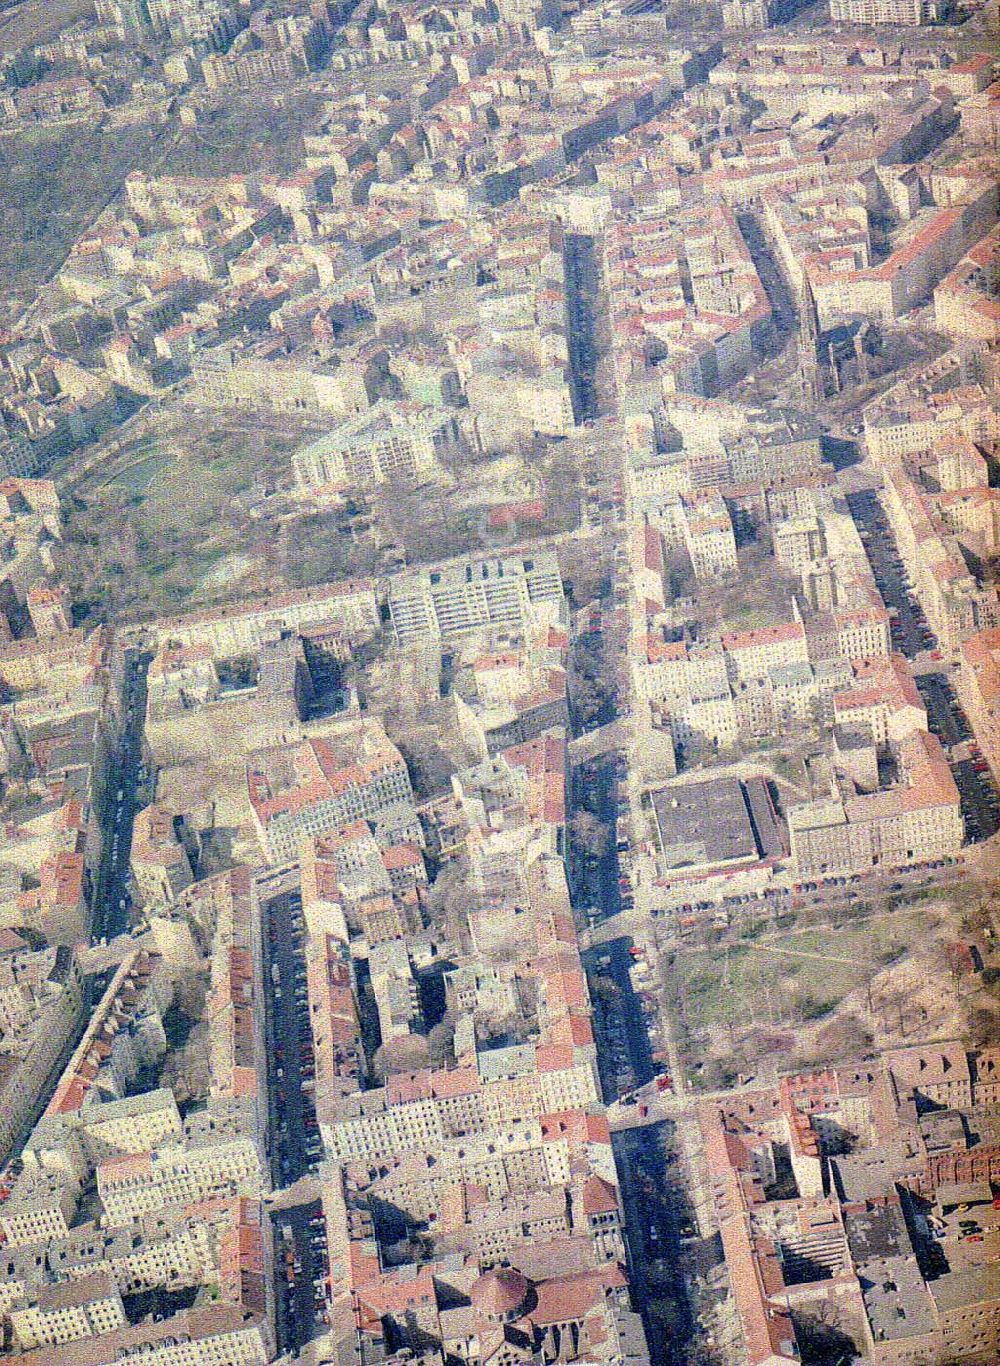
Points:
[[41, 1009], [466, 595], [430, 1107], [243, 627], [853, 831], [78, 1139], [751, 654], [946, 519], [392, 442], [854, 1238], [895, 12], [224, 1165], [158, 860], [68, 1312], [124, 1034], [979, 690], [269, 379], [981, 117], [915, 418], [939, 1073], [41, 1206], [216, 1335], [843, 283], [964, 302], [313, 788], [160, 1250]]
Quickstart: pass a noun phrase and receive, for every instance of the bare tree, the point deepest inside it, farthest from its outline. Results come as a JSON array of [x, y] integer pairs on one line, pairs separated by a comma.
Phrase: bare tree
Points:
[[590, 834], [441, 1041], [406, 1054]]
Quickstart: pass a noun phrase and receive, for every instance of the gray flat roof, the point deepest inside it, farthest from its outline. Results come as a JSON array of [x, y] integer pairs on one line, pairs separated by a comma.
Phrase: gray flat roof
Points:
[[700, 824]]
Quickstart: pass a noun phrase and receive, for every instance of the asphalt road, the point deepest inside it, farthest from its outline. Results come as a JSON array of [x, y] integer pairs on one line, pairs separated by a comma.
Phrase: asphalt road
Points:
[[294, 1132], [653, 1201], [112, 898], [655, 1206], [295, 1144], [581, 291], [911, 635], [652, 1204], [782, 306], [595, 788], [980, 801], [945, 718], [913, 638], [302, 1275], [622, 1023]]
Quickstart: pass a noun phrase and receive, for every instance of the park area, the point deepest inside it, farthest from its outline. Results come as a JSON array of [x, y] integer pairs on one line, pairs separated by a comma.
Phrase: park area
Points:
[[815, 995], [197, 515]]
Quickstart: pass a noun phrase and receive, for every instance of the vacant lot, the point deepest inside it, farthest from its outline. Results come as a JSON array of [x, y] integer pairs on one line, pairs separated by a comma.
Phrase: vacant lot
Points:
[[799, 976], [248, 134]]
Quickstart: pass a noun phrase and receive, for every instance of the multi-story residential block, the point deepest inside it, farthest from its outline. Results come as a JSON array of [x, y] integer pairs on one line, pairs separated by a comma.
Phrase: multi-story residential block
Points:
[[78, 1139], [946, 520], [979, 689], [42, 1205], [389, 444], [242, 627], [124, 1034], [871, 1125], [980, 115], [851, 831], [68, 1312], [466, 595], [213, 1161], [964, 304], [159, 861], [313, 788], [216, 1335], [896, 12], [41, 1010]]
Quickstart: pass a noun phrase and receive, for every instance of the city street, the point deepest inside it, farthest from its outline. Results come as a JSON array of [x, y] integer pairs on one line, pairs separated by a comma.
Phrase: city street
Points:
[[910, 632], [654, 1204], [302, 1267], [653, 1197], [595, 788], [295, 1144], [112, 898], [627, 1055], [945, 717], [581, 289], [913, 637]]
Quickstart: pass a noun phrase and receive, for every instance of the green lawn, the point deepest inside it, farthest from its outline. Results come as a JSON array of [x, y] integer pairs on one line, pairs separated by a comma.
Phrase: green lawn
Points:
[[775, 980], [180, 498], [138, 477]]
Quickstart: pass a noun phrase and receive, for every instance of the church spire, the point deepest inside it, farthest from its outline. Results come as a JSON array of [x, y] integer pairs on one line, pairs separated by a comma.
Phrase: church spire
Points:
[[808, 343]]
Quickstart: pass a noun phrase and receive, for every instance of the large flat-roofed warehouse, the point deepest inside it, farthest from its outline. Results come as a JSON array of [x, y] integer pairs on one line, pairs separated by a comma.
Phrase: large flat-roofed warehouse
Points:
[[719, 823]]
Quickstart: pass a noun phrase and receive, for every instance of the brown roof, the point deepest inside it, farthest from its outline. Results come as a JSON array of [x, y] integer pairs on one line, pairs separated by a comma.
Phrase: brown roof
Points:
[[498, 1294]]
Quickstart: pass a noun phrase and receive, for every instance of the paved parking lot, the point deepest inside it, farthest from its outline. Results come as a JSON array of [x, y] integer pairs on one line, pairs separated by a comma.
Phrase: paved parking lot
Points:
[[980, 801], [296, 1144], [302, 1277]]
